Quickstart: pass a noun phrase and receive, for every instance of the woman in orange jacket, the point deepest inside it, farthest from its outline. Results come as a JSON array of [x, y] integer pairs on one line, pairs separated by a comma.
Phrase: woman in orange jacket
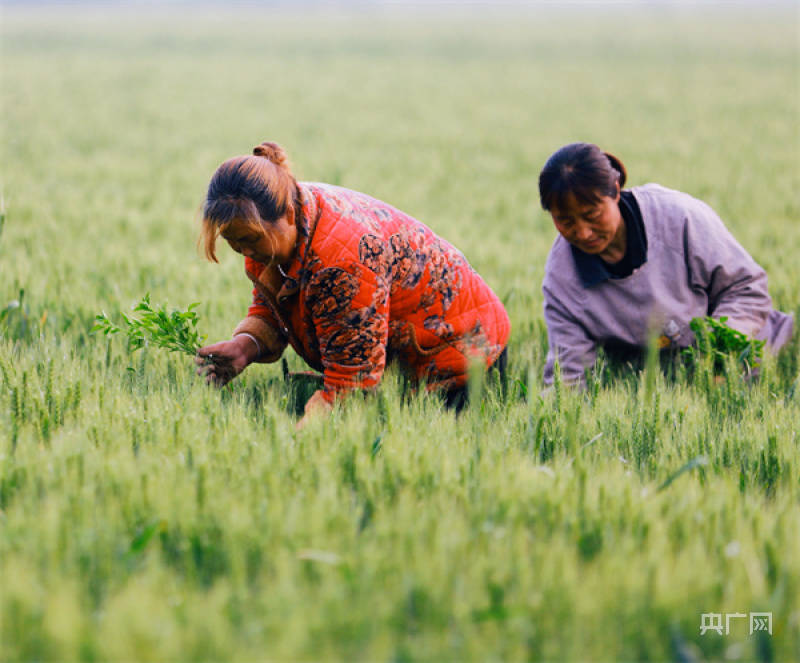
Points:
[[349, 281]]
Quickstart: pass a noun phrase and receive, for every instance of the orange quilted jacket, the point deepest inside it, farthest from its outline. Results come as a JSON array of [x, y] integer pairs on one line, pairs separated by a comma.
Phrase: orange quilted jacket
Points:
[[371, 284]]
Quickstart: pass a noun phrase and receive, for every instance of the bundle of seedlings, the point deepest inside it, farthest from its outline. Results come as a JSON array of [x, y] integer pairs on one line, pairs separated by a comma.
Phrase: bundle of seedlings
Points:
[[718, 343], [174, 330]]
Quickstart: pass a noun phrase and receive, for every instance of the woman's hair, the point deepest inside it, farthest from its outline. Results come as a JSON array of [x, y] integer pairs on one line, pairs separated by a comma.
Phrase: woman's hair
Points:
[[251, 188], [580, 169]]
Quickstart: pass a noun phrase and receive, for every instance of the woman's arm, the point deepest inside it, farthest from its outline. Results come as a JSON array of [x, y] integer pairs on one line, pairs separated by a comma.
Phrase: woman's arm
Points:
[[568, 342], [735, 284], [262, 324]]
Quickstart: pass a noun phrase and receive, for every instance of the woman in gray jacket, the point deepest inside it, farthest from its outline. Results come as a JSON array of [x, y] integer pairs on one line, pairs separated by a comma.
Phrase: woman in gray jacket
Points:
[[630, 264]]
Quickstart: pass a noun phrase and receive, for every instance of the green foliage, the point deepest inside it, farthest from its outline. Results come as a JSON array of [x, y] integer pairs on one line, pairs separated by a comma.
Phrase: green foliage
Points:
[[174, 330], [719, 341]]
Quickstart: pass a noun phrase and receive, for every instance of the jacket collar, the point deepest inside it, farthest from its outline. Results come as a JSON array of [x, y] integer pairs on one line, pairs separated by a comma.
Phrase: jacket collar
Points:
[[590, 268], [306, 222]]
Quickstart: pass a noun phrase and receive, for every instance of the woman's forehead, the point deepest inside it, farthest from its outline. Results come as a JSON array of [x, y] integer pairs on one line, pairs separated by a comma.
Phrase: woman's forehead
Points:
[[238, 226], [572, 205]]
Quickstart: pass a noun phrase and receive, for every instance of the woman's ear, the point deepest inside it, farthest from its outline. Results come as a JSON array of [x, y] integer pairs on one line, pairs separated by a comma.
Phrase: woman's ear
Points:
[[290, 215], [616, 198]]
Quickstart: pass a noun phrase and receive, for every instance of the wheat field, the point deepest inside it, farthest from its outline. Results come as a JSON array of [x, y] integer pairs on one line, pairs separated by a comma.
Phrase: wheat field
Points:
[[146, 517]]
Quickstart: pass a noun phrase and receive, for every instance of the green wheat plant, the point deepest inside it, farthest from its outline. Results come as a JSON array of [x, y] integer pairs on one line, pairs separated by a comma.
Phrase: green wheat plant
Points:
[[174, 330], [2, 214]]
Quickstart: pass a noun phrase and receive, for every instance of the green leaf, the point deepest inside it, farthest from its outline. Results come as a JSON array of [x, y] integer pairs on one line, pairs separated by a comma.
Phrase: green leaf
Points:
[[140, 540], [697, 461]]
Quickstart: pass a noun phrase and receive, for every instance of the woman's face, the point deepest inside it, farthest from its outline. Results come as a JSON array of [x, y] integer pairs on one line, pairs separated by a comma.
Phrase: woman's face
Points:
[[273, 243], [594, 228]]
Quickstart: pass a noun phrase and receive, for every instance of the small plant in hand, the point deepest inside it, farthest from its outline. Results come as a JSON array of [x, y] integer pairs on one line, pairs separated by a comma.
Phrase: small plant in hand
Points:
[[720, 341], [174, 330]]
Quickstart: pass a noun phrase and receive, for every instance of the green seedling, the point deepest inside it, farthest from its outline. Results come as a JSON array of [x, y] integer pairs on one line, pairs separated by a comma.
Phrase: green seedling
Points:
[[174, 330]]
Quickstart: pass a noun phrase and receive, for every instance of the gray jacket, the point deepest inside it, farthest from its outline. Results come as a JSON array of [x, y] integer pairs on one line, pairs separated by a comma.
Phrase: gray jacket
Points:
[[694, 268]]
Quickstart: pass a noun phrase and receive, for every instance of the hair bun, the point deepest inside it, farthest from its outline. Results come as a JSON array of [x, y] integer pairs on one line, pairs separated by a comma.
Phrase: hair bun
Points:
[[271, 151], [617, 165]]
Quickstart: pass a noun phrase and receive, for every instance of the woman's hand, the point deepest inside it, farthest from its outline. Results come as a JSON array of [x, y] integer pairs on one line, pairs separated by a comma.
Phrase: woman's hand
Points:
[[316, 406], [223, 361]]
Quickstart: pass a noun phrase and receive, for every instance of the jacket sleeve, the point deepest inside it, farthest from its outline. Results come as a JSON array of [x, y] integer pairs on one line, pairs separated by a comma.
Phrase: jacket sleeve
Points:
[[735, 284], [349, 305], [568, 342]]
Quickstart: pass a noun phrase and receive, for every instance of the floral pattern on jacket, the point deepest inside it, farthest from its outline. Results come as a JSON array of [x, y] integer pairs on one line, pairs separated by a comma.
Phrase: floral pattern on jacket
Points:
[[370, 282]]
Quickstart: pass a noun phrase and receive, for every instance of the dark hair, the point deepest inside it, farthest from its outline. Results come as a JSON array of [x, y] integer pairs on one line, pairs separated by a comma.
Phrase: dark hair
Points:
[[253, 188], [580, 169]]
